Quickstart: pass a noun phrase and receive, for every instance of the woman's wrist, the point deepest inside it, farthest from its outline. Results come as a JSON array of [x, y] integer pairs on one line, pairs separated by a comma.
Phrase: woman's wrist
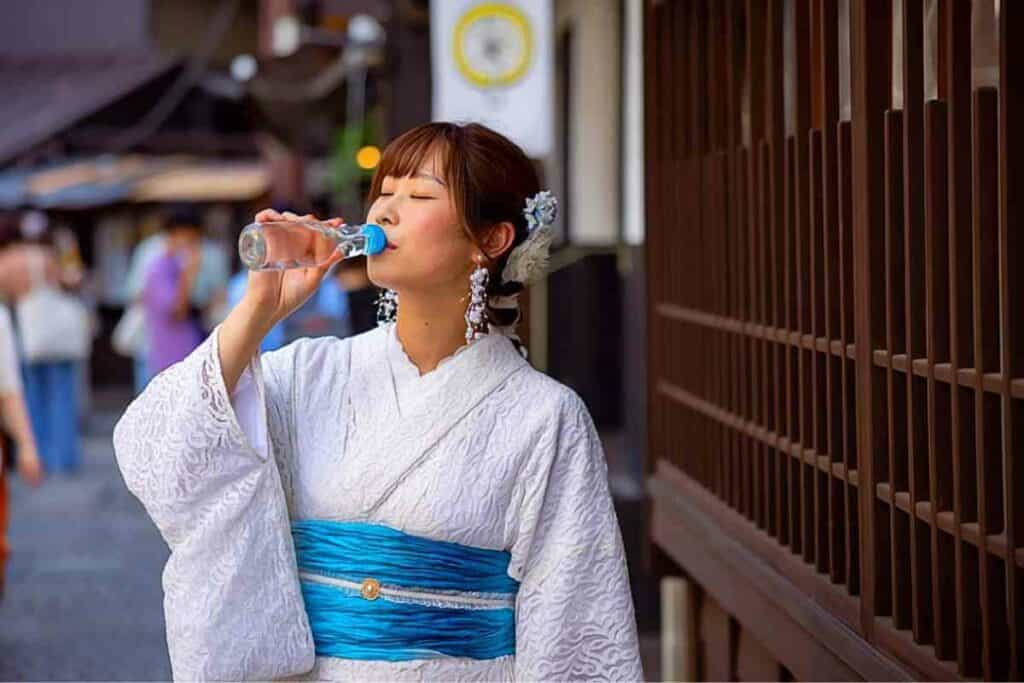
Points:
[[253, 318], [239, 338]]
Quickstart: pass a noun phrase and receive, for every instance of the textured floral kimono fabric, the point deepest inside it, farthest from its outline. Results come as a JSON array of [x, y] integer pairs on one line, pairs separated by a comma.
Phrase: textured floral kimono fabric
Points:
[[484, 454]]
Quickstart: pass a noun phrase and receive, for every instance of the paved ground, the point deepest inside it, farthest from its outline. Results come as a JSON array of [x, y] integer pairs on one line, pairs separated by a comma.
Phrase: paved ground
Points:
[[83, 595], [84, 600]]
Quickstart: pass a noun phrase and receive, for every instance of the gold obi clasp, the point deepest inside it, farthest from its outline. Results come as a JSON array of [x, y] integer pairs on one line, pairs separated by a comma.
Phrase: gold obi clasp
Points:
[[370, 589]]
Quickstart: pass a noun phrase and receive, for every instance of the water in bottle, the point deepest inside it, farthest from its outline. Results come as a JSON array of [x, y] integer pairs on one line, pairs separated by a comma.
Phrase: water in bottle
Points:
[[279, 245]]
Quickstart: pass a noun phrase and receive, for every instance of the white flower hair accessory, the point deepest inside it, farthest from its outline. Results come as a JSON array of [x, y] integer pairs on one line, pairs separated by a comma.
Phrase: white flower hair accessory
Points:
[[529, 260]]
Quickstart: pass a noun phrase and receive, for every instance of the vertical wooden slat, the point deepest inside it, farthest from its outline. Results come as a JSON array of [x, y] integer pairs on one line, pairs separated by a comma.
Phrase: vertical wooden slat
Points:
[[716, 389], [957, 37], [733, 55], [871, 31], [791, 413], [851, 524], [654, 172], [936, 256], [829, 19], [753, 115], [801, 21], [985, 289], [746, 369], [819, 361], [1011, 285], [769, 386], [774, 130], [898, 603], [914, 285], [851, 540], [699, 103], [725, 396]]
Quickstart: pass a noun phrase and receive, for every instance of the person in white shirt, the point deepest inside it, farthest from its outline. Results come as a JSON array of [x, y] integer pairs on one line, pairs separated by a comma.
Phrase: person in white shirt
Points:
[[14, 422]]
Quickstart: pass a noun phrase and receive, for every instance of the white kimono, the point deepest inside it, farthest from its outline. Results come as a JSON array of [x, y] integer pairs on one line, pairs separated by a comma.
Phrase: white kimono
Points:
[[484, 451]]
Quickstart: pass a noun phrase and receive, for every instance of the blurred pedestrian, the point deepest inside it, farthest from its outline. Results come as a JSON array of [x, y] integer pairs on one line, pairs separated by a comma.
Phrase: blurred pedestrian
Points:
[[54, 333], [15, 425], [173, 323], [17, 443], [210, 282]]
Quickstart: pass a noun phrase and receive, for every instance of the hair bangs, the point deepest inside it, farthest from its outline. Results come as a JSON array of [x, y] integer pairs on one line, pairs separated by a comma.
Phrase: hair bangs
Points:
[[407, 154]]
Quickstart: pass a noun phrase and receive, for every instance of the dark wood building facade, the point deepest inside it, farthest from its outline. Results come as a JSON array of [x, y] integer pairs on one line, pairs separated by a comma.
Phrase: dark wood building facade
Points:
[[835, 258]]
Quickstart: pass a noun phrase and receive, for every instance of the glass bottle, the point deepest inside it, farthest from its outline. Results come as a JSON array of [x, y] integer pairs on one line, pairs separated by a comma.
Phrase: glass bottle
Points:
[[279, 245]]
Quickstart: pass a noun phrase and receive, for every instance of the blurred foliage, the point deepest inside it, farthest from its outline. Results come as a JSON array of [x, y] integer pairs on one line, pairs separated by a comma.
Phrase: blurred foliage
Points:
[[347, 178]]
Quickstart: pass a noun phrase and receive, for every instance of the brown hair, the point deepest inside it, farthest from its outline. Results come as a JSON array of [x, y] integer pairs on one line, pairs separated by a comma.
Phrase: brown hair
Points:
[[489, 178]]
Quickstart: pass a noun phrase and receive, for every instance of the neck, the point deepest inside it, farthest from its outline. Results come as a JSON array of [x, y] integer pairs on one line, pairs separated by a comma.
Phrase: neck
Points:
[[430, 328]]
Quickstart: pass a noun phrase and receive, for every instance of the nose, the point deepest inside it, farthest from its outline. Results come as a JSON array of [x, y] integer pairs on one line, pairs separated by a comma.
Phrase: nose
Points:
[[385, 213]]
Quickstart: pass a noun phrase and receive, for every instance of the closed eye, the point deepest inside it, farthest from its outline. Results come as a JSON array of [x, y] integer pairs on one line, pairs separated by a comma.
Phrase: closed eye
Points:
[[414, 196]]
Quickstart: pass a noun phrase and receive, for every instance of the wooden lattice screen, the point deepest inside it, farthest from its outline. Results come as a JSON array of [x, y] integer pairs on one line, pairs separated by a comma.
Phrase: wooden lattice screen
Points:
[[836, 282]]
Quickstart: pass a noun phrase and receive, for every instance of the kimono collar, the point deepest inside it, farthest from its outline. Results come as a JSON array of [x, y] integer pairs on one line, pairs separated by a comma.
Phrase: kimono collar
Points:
[[410, 387], [404, 439]]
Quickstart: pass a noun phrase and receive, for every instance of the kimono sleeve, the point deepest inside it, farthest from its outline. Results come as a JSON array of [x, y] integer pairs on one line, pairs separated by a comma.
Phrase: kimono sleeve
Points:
[[232, 601], [574, 610]]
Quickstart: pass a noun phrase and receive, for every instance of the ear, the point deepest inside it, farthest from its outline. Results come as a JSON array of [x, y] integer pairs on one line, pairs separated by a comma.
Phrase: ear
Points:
[[498, 239]]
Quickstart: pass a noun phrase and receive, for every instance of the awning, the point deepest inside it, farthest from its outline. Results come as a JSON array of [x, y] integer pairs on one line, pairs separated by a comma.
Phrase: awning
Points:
[[86, 184], [43, 95], [204, 183], [101, 181]]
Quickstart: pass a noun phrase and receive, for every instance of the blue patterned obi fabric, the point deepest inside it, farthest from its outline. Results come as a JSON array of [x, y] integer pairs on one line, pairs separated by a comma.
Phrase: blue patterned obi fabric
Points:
[[376, 593]]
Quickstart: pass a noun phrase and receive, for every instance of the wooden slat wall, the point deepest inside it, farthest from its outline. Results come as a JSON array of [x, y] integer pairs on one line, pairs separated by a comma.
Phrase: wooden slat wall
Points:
[[836, 348]]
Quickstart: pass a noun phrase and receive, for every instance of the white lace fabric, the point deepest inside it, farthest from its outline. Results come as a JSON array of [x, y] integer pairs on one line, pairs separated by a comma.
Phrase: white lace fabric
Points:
[[491, 454]]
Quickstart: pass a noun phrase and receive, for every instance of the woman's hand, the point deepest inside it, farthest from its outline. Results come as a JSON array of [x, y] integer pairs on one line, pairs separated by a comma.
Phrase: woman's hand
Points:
[[270, 296], [29, 467], [274, 294]]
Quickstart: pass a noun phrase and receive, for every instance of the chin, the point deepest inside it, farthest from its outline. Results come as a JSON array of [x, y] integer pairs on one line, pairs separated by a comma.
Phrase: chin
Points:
[[382, 276]]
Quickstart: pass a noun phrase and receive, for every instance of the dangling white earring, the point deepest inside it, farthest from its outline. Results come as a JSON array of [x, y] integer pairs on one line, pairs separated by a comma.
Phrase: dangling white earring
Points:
[[387, 307], [476, 312]]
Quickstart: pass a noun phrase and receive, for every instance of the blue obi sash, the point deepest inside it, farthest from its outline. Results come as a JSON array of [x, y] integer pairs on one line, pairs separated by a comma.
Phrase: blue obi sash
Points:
[[377, 593]]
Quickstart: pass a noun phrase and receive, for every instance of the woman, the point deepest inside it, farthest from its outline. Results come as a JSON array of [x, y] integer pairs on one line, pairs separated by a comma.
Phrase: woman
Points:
[[15, 431], [448, 505], [52, 389]]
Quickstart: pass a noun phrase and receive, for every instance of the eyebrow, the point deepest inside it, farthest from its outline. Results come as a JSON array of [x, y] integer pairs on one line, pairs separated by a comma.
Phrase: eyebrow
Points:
[[428, 176]]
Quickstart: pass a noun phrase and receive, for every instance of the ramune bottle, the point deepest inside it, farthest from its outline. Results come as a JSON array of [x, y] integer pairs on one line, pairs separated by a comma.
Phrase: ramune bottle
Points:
[[279, 245]]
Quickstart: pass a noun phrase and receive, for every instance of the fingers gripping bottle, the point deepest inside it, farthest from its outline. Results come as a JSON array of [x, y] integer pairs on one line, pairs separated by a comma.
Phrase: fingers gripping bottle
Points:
[[280, 245]]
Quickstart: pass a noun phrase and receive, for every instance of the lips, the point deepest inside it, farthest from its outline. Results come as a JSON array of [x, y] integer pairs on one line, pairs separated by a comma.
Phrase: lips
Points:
[[391, 247]]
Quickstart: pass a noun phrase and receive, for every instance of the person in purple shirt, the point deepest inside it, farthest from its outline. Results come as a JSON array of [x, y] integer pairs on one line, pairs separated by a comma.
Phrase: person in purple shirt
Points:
[[173, 324]]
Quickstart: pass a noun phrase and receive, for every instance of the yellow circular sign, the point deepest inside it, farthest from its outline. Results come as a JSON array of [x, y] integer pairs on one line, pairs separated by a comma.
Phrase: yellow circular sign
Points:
[[493, 44]]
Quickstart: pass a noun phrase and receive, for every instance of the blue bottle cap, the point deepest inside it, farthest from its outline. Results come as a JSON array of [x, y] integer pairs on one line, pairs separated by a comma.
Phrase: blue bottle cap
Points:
[[376, 240]]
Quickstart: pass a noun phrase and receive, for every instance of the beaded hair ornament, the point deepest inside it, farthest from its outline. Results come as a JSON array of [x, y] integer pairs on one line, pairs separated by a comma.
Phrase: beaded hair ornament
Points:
[[528, 262]]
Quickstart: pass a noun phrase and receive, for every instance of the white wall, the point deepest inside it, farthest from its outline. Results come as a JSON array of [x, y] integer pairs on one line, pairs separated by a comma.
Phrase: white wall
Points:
[[594, 132], [633, 123]]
